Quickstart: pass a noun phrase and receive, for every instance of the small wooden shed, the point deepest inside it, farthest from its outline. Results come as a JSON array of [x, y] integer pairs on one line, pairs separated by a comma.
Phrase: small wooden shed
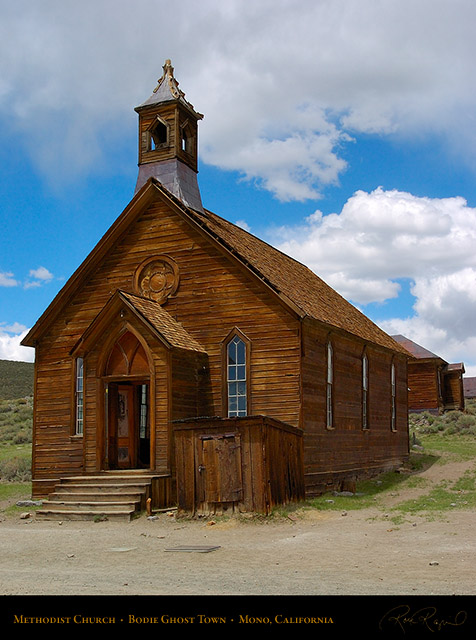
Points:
[[434, 385], [240, 464]]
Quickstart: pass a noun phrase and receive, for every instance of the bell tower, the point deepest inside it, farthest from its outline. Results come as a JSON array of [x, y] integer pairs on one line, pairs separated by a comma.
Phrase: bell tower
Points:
[[168, 140]]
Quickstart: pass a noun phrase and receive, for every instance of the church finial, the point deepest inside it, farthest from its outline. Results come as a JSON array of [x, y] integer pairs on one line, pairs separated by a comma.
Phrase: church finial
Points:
[[169, 81]]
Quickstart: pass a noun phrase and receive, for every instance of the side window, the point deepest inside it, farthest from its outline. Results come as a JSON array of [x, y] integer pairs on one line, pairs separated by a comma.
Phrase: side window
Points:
[[329, 387], [365, 392], [79, 397], [236, 372], [394, 398]]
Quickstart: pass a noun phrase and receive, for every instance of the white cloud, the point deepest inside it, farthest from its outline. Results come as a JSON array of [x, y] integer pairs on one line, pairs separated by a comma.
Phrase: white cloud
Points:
[[73, 72], [40, 276], [382, 237], [7, 280], [41, 273], [10, 347], [243, 224]]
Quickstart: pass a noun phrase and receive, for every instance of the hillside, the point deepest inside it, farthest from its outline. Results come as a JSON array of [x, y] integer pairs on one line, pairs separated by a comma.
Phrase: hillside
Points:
[[16, 379]]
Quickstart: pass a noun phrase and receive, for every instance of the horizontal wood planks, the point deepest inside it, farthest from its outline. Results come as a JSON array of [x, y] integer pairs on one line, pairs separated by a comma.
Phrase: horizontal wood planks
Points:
[[348, 448], [245, 464], [215, 294]]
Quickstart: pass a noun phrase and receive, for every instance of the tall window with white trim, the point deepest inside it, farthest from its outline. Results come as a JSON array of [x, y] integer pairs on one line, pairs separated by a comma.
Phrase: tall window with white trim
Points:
[[365, 392], [79, 397], [329, 389], [394, 399]]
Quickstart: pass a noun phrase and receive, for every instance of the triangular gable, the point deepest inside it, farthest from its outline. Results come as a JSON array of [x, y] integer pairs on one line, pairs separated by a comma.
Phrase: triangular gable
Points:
[[296, 286], [149, 313]]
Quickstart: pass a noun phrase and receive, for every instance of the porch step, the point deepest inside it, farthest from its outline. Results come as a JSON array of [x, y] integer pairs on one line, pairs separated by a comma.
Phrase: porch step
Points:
[[111, 496]]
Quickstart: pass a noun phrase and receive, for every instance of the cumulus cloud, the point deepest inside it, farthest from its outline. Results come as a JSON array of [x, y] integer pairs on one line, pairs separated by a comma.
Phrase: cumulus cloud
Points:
[[7, 280], [281, 89], [382, 237], [10, 347], [39, 276]]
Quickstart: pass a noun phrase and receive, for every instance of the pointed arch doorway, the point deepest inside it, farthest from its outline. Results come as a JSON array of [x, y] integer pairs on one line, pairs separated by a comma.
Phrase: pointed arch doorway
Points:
[[127, 382]]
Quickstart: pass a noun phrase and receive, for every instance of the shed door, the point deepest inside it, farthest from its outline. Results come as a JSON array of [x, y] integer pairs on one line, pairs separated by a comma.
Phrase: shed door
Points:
[[220, 468]]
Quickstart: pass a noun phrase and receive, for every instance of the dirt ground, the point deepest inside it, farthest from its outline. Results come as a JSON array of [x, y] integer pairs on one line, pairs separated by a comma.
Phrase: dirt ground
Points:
[[314, 553]]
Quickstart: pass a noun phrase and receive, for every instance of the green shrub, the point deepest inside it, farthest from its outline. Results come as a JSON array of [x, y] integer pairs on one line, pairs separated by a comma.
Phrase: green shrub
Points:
[[15, 470]]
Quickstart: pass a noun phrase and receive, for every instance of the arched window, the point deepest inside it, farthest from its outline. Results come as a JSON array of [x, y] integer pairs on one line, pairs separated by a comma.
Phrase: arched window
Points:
[[365, 392], [329, 387], [236, 377]]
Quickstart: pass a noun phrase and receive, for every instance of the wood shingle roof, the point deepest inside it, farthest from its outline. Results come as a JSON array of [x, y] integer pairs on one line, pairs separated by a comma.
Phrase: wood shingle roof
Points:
[[297, 286]]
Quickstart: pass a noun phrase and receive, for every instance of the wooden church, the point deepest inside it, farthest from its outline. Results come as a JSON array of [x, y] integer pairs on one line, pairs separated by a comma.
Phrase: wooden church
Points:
[[189, 362]]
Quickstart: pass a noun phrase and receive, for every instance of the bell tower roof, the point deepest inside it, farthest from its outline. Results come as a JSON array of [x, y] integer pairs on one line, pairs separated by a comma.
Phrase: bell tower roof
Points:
[[166, 90], [168, 140]]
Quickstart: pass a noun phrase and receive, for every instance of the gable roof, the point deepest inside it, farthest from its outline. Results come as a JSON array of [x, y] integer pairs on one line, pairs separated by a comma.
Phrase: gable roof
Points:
[[299, 288], [416, 350], [420, 353], [173, 332], [150, 313]]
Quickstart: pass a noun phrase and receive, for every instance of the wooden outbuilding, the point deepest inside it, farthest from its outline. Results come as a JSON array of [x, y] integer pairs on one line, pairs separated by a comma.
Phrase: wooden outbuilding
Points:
[[434, 384], [186, 352], [469, 387]]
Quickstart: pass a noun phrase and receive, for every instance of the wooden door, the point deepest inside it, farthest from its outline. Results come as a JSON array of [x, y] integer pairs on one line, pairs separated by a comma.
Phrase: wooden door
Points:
[[128, 426], [125, 427], [219, 469]]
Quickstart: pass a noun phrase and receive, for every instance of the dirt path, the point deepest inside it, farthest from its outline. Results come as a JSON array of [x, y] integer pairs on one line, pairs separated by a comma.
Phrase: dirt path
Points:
[[316, 553]]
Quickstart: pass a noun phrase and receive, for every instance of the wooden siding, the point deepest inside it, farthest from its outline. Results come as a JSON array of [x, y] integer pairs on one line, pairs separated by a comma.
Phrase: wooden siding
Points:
[[215, 294], [453, 390], [348, 450], [259, 468], [424, 393]]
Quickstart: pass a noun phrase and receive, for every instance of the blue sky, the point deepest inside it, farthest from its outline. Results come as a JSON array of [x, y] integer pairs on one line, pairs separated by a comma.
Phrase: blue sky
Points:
[[343, 135]]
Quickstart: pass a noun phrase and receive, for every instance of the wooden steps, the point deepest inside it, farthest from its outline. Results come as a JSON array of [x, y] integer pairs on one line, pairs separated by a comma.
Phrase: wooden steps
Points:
[[108, 495]]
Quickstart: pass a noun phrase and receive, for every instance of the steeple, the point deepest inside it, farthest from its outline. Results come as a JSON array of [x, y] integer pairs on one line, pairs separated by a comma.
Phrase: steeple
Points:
[[168, 140]]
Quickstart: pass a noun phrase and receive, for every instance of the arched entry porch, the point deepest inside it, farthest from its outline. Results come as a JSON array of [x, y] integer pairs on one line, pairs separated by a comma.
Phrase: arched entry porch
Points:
[[126, 381]]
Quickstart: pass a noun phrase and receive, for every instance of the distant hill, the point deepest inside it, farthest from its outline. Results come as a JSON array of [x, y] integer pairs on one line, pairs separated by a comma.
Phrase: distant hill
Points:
[[16, 379]]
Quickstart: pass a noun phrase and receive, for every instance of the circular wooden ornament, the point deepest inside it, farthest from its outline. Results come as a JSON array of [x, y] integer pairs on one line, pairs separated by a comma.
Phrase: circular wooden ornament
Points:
[[156, 278]]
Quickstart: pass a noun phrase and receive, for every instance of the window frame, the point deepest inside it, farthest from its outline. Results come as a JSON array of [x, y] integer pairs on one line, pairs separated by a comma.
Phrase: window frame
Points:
[[152, 143], [236, 334], [78, 422], [330, 426], [393, 396], [365, 392]]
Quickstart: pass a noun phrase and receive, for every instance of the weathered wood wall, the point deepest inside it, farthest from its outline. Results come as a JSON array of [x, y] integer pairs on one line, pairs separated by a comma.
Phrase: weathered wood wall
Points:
[[453, 391], [423, 394], [347, 451], [261, 467], [215, 294]]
